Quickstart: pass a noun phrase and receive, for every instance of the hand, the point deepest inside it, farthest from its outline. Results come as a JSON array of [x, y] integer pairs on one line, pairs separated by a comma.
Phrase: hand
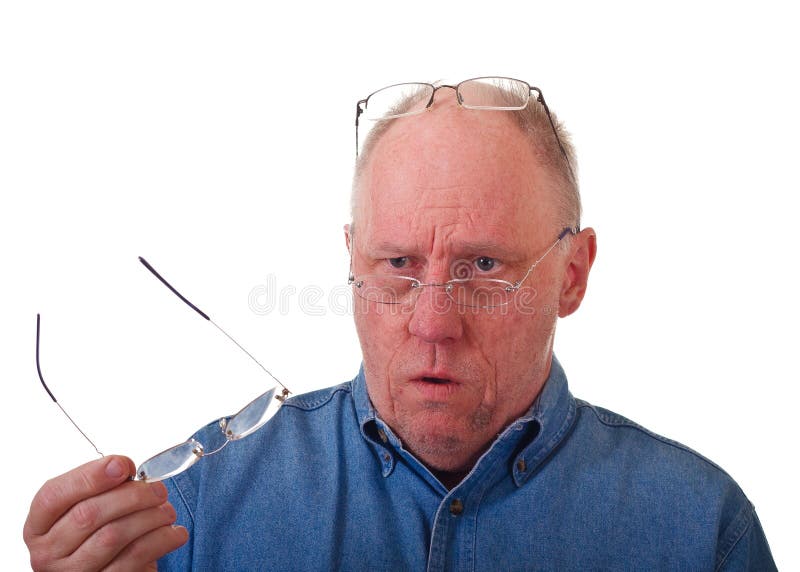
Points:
[[94, 518]]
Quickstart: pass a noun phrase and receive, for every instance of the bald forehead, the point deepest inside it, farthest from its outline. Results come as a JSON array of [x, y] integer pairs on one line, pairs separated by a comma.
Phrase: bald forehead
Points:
[[449, 161]]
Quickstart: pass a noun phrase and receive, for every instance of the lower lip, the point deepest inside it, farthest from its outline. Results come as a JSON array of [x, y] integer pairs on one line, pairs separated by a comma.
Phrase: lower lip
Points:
[[435, 391]]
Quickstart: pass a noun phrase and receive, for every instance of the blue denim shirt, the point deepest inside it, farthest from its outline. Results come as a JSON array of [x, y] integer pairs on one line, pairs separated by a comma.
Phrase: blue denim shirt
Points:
[[326, 485]]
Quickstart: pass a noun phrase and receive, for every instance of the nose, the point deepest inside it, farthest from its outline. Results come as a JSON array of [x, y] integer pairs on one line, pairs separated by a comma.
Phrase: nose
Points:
[[435, 317]]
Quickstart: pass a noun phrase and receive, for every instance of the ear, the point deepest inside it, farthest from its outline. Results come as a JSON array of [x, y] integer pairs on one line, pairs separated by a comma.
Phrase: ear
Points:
[[347, 238], [576, 274]]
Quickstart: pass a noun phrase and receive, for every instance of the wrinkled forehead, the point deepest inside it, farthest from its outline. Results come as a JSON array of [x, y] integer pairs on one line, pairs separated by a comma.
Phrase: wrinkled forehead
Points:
[[451, 166]]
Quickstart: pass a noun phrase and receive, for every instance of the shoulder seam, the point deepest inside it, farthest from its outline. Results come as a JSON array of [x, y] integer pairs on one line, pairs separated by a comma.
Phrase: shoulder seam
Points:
[[746, 517], [316, 399], [616, 420]]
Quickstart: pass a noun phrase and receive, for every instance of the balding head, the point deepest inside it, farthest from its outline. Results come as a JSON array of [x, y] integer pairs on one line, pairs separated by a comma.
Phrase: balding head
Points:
[[450, 158], [553, 154]]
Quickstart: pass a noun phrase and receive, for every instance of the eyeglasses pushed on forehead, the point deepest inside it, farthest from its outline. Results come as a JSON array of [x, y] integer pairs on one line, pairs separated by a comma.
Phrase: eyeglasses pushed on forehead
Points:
[[178, 458], [481, 93]]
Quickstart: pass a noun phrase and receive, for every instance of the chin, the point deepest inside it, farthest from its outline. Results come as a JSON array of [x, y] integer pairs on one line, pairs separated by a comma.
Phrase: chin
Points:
[[440, 450], [446, 440]]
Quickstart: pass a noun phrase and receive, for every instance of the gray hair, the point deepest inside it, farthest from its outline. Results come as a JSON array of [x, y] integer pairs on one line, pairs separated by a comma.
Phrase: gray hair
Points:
[[535, 125]]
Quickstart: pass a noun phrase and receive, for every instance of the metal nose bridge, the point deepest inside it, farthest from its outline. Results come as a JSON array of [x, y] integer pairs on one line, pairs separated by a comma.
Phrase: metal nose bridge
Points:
[[448, 286], [439, 305], [437, 88]]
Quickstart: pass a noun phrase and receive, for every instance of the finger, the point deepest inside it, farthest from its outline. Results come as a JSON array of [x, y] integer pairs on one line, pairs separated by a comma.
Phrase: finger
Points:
[[112, 539], [92, 514], [147, 549], [60, 494]]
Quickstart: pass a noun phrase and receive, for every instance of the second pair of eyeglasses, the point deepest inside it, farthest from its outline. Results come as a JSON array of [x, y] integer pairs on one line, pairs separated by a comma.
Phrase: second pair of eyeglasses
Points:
[[177, 459]]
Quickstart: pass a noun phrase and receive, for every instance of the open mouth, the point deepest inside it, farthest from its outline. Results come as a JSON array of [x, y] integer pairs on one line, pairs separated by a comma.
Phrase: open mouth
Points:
[[437, 380], [435, 389]]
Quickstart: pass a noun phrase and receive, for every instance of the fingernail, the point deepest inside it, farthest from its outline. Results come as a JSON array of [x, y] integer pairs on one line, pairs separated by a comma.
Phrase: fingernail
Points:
[[115, 469], [184, 532], [170, 510]]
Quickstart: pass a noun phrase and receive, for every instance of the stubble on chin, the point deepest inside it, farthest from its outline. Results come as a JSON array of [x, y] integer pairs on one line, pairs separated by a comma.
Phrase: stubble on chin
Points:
[[446, 448]]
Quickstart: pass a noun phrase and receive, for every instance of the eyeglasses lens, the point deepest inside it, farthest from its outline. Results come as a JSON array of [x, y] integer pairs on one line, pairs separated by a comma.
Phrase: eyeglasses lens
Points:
[[494, 93], [253, 415], [397, 100], [384, 289], [170, 462], [180, 457], [474, 293]]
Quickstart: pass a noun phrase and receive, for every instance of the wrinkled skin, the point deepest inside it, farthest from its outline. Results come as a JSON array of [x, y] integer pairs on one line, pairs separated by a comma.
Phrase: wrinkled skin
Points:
[[94, 518], [442, 189]]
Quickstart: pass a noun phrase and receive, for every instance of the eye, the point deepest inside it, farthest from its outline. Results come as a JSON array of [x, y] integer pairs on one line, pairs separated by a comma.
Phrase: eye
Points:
[[399, 262], [485, 263]]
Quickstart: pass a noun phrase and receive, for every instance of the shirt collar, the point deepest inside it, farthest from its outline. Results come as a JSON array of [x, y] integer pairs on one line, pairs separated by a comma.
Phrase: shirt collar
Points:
[[374, 431], [552, 413], [364, 409]]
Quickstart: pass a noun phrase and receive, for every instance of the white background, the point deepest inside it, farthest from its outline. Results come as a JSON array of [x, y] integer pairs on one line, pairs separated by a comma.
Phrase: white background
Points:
[[216, 140]]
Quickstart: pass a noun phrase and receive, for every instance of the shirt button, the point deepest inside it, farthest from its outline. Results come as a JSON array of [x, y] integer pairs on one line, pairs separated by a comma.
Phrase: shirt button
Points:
[[521, 466], [456, 507], [387, 457], [382, 435]]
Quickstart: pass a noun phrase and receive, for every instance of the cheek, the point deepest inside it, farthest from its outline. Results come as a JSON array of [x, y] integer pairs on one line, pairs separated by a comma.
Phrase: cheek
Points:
[[514, 344], [381, 329], [532, 352]]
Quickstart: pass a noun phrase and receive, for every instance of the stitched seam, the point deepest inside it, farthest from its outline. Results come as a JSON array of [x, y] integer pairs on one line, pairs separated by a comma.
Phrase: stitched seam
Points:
[[179, 490], [301, 402], [621, 422], [735, 535], [554, 443]]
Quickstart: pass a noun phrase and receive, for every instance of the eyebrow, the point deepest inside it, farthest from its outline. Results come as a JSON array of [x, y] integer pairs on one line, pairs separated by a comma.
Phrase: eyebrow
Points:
[[459, 247], [485, 246]]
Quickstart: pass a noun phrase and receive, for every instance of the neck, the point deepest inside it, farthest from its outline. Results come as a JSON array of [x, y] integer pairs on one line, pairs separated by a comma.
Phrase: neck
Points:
[[450, 479]]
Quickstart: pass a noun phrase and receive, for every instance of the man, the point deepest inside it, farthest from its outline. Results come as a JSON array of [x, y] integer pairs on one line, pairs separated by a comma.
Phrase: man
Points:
[[458, 445]]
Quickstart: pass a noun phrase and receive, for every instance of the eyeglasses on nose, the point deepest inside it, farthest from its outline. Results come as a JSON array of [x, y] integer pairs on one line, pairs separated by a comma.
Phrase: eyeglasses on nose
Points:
[[466, 292]]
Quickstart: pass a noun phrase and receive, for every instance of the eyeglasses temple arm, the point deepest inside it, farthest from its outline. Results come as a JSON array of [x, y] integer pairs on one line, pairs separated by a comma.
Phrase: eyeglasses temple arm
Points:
[[174, 291], [540, 99], [38, 367], [569, 230], [205, 316], [351, 248], [268, 372], [359, 111], [50, 393], [573, 230]]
